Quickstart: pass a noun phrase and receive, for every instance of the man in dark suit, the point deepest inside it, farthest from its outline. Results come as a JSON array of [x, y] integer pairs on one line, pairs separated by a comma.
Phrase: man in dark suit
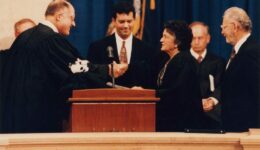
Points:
[[240, 88], [136, 50], [43, 69], [210, 69]]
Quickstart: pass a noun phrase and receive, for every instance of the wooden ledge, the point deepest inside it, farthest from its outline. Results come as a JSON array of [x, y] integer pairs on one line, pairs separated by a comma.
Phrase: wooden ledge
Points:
[[123, 138]]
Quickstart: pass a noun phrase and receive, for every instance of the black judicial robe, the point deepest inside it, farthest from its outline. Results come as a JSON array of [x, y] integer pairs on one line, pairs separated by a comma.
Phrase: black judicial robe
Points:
[[215, 66], [37, 78], [180, 105], [3, 59]]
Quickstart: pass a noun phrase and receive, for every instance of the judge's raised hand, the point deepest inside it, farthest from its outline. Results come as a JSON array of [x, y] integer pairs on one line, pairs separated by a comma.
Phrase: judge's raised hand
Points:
[[118, 69]]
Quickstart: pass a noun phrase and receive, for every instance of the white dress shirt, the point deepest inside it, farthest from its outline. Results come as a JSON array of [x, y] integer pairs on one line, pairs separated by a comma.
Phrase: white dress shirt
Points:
[[128, 45]]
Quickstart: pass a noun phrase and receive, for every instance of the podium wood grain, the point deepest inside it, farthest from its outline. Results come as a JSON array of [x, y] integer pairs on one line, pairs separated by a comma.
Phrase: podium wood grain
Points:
[[113, 110]]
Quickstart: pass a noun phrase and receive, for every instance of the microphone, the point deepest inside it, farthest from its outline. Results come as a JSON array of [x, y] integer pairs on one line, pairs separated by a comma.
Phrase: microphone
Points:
[[110, 52], [111, 57]]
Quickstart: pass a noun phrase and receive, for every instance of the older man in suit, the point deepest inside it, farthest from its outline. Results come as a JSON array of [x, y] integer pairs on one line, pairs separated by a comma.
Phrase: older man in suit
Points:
[[240, 88], [210, 69], [126, 48]]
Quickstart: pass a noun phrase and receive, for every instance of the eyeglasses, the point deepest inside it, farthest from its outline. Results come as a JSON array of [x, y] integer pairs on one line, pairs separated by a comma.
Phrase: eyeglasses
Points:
[[226, 25]]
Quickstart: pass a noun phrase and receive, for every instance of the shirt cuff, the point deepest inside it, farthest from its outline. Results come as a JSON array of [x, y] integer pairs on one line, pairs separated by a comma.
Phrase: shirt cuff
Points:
[[214, 100]]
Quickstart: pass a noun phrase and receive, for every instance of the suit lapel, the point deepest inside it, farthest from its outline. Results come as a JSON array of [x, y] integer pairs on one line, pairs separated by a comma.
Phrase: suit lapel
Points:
[[235, 62], [135, 48], [207, 57], [206, 60], [112, 41]]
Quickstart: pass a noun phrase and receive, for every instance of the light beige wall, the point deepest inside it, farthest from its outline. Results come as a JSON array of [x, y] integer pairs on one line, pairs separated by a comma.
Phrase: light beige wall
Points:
[[14, 10]]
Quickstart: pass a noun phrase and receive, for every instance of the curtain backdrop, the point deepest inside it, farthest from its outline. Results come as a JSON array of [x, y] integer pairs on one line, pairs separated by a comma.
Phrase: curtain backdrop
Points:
[[93, 17]]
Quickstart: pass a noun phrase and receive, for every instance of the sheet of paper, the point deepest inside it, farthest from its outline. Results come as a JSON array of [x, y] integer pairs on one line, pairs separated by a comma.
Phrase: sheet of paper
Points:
[[211, 83]]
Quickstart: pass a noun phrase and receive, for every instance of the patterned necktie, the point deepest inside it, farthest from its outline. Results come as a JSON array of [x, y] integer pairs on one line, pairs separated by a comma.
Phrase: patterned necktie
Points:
[[199, 59], [232, 56], [123, 54]]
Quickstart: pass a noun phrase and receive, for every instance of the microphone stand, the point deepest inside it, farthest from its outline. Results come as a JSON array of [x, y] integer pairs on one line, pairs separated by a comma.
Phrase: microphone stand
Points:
[[111, 58], [112, 74]]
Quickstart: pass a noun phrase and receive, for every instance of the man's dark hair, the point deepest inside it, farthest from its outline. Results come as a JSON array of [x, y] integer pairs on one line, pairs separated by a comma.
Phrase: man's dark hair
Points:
[[182, 33], [55, 6], [123, 7]]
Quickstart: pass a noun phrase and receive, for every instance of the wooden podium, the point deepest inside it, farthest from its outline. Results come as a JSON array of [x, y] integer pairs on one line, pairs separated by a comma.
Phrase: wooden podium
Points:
[[113, 110]]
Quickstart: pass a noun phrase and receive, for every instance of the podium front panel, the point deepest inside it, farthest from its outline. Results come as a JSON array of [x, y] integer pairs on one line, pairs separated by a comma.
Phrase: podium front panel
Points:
[[113, 110], [113, 117]]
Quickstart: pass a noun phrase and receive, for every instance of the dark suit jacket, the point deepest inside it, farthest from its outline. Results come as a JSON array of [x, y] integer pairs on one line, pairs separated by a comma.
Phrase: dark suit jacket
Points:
[[180, 105], [215, 66], [240, 89], [98, 54]]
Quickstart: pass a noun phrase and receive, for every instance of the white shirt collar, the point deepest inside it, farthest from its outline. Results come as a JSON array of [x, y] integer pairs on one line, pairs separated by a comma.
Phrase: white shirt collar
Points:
[[51, 25], [119, 39], [241, 42], [196, 55]]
